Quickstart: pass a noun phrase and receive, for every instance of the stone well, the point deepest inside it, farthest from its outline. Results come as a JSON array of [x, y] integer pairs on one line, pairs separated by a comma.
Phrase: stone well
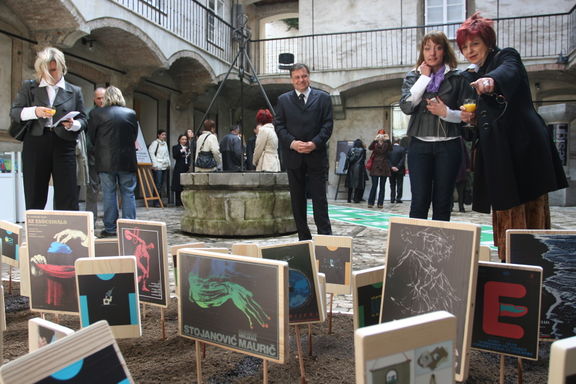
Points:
[[236, 204]]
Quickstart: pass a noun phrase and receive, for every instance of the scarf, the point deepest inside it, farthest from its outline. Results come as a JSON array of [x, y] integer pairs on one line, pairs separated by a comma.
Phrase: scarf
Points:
[[437, 78]]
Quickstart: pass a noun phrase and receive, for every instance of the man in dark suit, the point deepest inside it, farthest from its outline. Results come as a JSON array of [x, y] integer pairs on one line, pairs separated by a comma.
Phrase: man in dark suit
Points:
[[49, 149], [397, 159], [304, 124]]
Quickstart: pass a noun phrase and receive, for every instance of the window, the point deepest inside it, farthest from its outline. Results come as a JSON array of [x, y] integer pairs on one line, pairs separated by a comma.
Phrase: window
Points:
[[214, 24], [399, 122], [444, 12]]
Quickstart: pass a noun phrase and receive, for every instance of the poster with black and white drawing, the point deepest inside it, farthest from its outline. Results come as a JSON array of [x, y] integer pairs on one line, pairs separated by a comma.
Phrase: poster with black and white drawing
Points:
[[55, 240], [43, 332], [147, 240], [107, 291], [431, 266], [304, 297], [89, 356], [334, 259], [555, 252], [234, 302], [507, 310], [10, 242]]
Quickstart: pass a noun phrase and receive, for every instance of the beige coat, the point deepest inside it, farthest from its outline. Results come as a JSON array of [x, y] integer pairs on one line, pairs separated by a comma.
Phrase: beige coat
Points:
[[266, 150], [210, 145]]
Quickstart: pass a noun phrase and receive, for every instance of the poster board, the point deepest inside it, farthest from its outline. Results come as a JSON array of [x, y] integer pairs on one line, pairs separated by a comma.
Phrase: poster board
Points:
[[245, 249], [485, 253], [417, 349], [10, 242], [431, 266], [342, 148], [334, 259], [24, 271], [322, 286], [367, 296], [563, 362], [555, 252], [2, 311], [507, 311], [55, 240], [234, 302], [304, 297], [142, 154], [89, 356], [107, 290], [148, 241], [43, 332], [106, 247]]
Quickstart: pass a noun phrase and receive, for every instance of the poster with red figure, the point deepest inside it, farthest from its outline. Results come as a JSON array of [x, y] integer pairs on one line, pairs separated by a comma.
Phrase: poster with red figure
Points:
[[55, 240], [507, 312], [147, 241]]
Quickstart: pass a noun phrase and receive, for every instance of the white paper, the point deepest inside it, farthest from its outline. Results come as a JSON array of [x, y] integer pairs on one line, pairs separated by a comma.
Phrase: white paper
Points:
[[69, 115]]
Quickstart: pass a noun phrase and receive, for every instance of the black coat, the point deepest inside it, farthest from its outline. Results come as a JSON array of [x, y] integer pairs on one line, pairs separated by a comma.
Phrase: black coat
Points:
[[113, 130], [231, 149], [355, 168], [68, 100], [397, 157], [183, 157], [517, 161], [310, 122]]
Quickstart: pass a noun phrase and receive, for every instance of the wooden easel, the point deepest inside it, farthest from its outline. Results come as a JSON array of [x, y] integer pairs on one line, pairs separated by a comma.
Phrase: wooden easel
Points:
[[147, 185]]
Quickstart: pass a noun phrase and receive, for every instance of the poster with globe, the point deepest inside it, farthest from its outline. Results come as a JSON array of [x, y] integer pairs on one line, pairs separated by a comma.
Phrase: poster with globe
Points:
[[55, 240], [304, 302]]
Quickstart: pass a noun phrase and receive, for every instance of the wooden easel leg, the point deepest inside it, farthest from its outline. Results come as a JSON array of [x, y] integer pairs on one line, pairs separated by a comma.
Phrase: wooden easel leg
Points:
[[309, 340], [143, 311], [198, 363], [42, 315], [264, 371], [502, 366], [330, 314], [10, 281], [203, 350], [163, 323], [520, 371], [300, 354], [57, 318]]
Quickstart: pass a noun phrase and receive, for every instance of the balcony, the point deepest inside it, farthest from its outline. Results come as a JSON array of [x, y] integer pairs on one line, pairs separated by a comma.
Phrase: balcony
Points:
[[543, 38]]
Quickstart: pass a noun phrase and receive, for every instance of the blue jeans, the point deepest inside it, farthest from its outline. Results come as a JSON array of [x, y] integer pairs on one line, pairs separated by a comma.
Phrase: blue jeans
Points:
[[372, 196], [433, 170], [159, 177], [127, 183]]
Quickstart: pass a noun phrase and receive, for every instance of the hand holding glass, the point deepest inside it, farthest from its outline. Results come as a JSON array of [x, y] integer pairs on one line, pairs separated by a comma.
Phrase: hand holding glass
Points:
[[469, 106]]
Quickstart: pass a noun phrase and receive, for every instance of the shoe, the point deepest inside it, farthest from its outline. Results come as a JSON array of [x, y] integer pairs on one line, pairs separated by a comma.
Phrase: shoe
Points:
[[380, 206], [349, 200], [370, 206], [392, 201], [399, 201], [462, 210], [105, 233]]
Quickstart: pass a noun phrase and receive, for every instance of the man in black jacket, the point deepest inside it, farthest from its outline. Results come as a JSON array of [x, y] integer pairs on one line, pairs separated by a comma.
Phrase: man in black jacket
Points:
[[113, 130], [397, 159], [304, 124], [231, 149]]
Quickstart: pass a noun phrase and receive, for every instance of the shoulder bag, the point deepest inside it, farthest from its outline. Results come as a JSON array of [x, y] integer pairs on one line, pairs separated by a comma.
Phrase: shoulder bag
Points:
[[205, 159]]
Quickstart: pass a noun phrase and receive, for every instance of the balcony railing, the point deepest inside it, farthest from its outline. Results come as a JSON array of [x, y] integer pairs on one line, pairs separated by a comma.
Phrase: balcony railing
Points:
[[544, 36], [189, 20]]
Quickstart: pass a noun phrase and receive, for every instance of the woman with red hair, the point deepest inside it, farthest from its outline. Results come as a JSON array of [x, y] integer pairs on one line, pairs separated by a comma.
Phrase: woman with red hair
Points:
[[266, 150], [516, 164]]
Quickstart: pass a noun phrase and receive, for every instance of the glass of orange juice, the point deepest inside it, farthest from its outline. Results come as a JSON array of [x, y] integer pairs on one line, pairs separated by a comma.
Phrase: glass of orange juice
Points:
[[52, 112], [469, 106]]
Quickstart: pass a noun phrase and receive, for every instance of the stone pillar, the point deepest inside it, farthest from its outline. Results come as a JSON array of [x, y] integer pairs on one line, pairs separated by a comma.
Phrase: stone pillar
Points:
[[236, 204], [559, 118]]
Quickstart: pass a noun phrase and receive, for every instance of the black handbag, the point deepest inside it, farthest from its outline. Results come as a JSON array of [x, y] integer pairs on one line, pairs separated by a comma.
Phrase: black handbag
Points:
[[18, 130], [205, 159]]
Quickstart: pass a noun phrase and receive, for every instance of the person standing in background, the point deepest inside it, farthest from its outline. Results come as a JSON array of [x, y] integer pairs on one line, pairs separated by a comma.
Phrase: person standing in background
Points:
[[160, 161], [355, 169], [48, 150], [93, 186], [180, 153], [192, 147], [250, 146], [380, 170], [113, 129], [304, 124], [231, 150], [208, 142], [397, 159], [266, 149]]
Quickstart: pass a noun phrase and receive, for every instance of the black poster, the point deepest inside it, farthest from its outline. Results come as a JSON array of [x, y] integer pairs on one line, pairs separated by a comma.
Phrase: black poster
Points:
[[302, 296], [369, 302], [333, 263], [55, 241], [230, 303], [102, 366], [109, 297], [146, 244], [556, 254], [507, 311], [10, 246]]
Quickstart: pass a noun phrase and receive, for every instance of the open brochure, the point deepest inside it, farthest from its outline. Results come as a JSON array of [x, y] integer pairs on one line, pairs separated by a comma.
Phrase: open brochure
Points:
[[69, 115]]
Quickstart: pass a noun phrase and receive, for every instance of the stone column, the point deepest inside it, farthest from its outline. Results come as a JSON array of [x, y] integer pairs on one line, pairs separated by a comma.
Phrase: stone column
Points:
[[559, 118]]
